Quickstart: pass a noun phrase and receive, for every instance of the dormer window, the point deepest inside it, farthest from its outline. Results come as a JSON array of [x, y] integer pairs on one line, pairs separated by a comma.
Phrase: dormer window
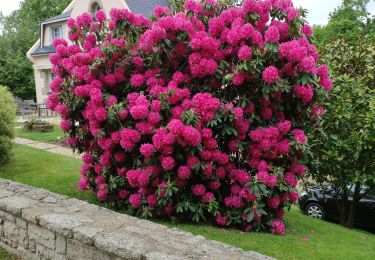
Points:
[[57, 32], [94, 7]]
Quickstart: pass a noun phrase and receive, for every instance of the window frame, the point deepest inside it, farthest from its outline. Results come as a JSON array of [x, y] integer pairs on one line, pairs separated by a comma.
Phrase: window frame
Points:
[[93, 11], [53, 30]]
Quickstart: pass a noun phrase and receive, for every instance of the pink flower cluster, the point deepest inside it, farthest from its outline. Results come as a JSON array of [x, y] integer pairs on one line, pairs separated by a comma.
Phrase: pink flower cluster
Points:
[[191, 109]]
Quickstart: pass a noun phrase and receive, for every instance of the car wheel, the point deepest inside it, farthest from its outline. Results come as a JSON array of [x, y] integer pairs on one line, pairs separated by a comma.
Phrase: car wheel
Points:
[[315, 210]]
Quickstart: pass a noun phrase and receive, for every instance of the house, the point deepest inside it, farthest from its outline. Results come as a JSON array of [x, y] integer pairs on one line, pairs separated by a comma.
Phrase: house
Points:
[[56, 27]]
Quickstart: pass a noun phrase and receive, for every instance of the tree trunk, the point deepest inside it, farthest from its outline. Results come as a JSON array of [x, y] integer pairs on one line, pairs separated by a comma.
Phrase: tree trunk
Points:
[[343, 206], [353, 207]]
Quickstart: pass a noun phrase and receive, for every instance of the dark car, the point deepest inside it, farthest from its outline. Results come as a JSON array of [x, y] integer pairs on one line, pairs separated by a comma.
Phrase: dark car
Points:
[[321, 202]]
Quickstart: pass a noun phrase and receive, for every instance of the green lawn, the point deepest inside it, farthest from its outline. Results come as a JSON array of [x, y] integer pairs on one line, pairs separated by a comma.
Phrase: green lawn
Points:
[[54, 136], [306, 238]]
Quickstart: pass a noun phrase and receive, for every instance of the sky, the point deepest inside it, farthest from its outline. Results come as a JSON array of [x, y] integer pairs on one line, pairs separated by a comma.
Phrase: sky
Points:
[[318, 9]]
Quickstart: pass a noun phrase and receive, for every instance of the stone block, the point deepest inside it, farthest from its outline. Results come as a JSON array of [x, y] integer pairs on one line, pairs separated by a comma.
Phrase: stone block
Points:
[[42, 236], [127, 245], [162, 256], [46, 253], [60, 244], [31, 214], [37, 194], [21, 223], [15, 205], [5, 193], [6, 216], [63, 223], [85, 234], [50, 199], [76, 250], [15, 235]]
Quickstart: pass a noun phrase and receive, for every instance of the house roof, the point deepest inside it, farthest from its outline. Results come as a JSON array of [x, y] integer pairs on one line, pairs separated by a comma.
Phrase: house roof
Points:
[[62, 16], [44, 50], [145, 7]]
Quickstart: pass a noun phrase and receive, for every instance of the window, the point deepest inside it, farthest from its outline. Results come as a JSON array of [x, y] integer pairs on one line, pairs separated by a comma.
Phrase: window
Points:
[[50, 77], [57, 32], [94, 8]]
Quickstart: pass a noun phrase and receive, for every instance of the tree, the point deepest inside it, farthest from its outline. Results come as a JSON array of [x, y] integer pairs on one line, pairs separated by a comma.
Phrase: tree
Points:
[[18, 32], [344, 147], [349, 21]]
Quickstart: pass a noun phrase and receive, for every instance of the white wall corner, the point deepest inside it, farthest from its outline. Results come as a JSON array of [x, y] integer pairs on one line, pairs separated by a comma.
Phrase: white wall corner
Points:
[[31, 50]]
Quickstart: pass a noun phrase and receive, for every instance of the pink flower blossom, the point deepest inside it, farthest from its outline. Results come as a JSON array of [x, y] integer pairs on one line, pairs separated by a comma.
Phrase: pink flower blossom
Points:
[[102, 195], [139, 112], [65, 125], [100, 16], [101, 114], [273, 202], [245, 53], [137, 80], [221, 220], [83, 183], [184, 172], [208, 197], [270, 75], [152, 200], [299, 136], [307, 30], [290, 179], [278, 227], [147, 150], [167, 163], [272, 34], [198, 190], [135, 200]]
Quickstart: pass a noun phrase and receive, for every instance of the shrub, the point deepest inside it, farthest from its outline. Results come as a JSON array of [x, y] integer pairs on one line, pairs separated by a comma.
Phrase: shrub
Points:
[[198, 115], [7, 124], [38, 126]]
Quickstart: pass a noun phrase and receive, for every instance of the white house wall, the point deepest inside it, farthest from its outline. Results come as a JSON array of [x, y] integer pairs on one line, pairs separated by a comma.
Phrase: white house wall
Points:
[[41, 64], [81, 6]]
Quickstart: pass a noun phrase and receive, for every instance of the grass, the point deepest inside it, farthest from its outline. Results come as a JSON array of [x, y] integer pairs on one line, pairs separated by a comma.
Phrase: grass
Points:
[[47, 137], [4, 255], [45, 170], [306, 237]]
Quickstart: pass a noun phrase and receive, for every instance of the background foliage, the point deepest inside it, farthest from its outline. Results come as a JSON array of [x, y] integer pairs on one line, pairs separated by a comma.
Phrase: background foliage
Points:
[[343, 147], [18, 32], [7, 124], [350, 21]]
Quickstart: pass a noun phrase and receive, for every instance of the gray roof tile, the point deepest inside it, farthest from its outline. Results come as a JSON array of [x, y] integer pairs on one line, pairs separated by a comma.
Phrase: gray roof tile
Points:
[[145, 7], [44, 50], [65, 15]]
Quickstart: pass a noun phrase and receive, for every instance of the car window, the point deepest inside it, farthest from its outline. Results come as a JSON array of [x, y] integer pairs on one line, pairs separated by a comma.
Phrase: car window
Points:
[[351, 188], [370, 194]]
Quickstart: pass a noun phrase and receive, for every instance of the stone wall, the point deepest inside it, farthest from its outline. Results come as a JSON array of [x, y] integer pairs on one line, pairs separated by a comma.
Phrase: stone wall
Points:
[[37, 224]]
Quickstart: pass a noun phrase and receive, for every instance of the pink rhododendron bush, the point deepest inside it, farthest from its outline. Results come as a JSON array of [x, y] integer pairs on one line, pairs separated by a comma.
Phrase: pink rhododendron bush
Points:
[[197, 115]]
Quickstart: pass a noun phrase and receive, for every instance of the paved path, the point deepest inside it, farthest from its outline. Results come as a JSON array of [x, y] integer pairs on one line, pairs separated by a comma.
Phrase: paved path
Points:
[[52, 148]]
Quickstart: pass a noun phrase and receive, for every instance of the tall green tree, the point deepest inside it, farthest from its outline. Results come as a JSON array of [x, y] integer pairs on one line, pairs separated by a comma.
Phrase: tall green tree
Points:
[[343, 148], [18, 32], [349, 21]]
